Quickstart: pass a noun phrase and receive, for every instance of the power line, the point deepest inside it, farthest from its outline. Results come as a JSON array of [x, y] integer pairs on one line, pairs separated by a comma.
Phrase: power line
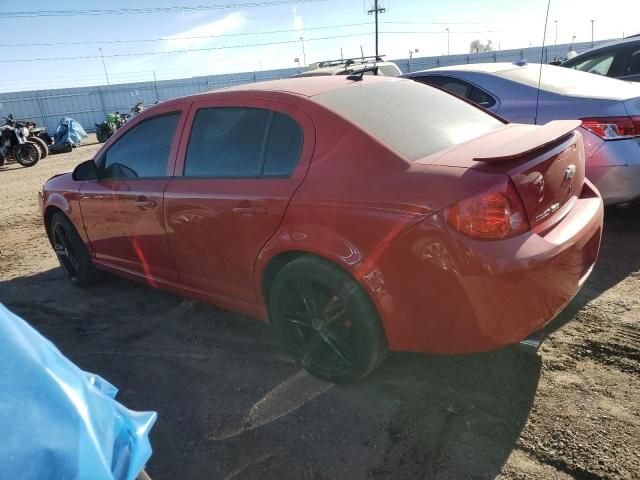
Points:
[[196, 37], [203, 37], [127, 11], [205, 49], [188, 50]]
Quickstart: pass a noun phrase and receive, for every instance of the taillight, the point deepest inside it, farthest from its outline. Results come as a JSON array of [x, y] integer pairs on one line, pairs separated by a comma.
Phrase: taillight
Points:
[[491, 215], [613, 128]]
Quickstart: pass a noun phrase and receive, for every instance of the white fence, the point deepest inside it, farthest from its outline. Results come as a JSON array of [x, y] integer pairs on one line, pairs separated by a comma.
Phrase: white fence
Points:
[[89, 105]]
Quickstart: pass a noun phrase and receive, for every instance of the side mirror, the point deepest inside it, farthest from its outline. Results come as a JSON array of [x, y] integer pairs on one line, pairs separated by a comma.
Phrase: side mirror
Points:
[[85, 171]]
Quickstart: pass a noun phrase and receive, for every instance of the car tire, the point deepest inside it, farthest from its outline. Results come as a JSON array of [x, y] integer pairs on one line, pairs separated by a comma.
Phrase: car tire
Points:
[[41, 144], [72, 253], [326, 320]]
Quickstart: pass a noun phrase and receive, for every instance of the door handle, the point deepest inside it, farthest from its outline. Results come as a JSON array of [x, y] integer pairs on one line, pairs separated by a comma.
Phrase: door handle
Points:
[[249, 211], [144, 202]]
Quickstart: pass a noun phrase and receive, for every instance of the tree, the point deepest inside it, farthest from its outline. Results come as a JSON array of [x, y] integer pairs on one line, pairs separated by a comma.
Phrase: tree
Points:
[[478, 47]]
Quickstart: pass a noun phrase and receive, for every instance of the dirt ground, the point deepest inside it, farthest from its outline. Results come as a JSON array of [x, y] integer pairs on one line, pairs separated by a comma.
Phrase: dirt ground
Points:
[[231, 405]]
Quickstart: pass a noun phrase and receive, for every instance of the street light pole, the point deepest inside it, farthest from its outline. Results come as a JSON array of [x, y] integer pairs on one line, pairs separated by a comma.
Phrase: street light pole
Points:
[[104, 66], [448, 32], [304, 55], [592, 22], [555, 42]]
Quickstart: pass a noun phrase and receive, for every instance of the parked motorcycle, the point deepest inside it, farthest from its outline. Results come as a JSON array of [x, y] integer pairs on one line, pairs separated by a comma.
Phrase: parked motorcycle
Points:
[[39, 136], [114, 121], [14, 144]]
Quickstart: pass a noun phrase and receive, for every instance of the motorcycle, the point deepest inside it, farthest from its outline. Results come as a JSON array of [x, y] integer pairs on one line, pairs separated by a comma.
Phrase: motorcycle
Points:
[[14, 144], [114, 121], [39, 136]]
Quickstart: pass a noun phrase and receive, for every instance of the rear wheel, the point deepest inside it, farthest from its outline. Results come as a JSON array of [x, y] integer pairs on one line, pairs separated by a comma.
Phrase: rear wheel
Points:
[[28, 154], [326, 321], [72, 253]]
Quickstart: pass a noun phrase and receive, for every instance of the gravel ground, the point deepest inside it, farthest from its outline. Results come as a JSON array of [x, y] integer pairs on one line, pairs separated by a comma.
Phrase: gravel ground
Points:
[[231, 405]]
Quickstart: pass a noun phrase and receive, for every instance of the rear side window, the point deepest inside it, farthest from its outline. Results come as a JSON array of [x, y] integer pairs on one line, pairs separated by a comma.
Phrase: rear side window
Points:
[[634, 63], [283, 147], [413, 120], [226, 142], [229, 142], [598, 64], [143, 151]]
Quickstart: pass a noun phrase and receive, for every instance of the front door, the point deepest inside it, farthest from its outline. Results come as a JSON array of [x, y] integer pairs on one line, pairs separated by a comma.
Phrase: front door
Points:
[[123, 211], [237, 173]]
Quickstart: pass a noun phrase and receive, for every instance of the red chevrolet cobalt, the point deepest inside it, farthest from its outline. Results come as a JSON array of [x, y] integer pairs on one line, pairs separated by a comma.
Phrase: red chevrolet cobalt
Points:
[[357, 215]]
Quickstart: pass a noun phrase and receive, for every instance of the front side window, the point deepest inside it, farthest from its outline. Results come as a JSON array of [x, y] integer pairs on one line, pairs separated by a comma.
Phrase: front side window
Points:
[[233, 142], [143, 151]]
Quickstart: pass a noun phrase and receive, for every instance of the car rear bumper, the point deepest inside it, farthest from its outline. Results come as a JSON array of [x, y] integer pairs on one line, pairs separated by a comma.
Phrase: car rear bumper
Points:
[[615, 170], [459, 295]]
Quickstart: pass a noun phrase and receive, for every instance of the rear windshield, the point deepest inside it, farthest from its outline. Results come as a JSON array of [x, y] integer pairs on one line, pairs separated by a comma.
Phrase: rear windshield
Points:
[[566, 81], [413, 119]]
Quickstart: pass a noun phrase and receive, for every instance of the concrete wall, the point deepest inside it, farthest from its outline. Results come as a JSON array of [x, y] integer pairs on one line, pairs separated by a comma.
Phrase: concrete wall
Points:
[[89, 105]]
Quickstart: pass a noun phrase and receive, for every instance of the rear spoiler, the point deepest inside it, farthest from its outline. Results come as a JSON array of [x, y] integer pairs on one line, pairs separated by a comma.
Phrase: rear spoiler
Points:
[[534, 139]]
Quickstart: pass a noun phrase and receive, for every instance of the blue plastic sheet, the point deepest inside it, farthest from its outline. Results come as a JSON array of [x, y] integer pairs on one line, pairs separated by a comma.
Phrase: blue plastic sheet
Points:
[[68, 132], [59, 422]]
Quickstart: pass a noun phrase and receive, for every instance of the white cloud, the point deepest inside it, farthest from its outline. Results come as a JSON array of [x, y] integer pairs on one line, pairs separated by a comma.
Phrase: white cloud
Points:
[[298, 24], [227, 24]]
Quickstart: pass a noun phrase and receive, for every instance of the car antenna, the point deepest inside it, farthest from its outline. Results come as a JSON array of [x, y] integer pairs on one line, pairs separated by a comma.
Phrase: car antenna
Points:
[[358, 74], [546, 21]]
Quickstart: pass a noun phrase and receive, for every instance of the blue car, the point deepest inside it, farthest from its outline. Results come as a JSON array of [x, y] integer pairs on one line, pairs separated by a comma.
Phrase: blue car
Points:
[[609, 110]]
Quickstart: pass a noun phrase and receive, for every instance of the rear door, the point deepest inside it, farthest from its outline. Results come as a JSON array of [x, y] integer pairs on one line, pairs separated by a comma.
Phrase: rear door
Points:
[[239, 164], [123, 211]]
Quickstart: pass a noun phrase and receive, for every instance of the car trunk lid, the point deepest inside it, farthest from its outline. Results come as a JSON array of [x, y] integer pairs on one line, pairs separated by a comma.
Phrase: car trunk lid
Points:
[[545, 164]]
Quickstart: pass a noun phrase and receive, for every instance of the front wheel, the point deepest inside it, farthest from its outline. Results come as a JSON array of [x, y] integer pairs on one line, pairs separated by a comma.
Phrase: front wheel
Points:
[[72, 253], [326, 320], [28, 154]]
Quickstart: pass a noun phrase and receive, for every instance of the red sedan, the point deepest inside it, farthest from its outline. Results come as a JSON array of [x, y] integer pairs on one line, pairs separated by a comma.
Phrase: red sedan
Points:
[[357, 215]]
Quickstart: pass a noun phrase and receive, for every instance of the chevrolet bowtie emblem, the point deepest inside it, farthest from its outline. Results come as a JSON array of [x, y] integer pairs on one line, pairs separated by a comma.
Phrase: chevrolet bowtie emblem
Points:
[[569, 172]]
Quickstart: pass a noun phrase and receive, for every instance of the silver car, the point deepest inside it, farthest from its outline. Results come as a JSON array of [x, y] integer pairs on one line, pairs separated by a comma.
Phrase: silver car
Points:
[[609, 110]]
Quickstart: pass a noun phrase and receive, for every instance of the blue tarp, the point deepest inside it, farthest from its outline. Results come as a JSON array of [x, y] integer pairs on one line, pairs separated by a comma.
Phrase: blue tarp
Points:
[[59, 422], [68, 132]]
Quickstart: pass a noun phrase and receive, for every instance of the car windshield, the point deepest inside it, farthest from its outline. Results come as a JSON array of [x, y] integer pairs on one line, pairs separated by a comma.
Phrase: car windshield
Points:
[[566, 81], [413, 119]]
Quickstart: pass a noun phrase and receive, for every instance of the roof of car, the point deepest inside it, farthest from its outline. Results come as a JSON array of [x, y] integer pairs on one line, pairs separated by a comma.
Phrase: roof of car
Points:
[[478, 67], [622, 41], [305, 86]]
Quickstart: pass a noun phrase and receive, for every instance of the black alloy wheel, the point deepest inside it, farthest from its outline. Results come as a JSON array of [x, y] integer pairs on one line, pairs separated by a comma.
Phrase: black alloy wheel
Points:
[[326, 320], [64, 250], [71, 252]]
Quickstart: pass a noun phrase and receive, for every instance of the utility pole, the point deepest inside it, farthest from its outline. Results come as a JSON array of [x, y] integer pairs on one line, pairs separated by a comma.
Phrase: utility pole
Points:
[[592, 22], [155, 84], [555, 42], [448, 32], [376, 10], [104, 65], [304, 55]]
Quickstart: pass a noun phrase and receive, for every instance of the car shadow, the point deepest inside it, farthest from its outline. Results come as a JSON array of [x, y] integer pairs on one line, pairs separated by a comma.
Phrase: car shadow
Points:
[[219, 381], [618, 258]]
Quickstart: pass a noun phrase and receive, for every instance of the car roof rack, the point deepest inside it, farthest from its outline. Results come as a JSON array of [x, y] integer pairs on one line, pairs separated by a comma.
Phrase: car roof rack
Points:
[[349, 61]]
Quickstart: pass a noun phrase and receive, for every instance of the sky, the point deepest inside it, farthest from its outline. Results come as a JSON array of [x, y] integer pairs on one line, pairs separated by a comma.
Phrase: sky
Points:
[[238, 37]]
